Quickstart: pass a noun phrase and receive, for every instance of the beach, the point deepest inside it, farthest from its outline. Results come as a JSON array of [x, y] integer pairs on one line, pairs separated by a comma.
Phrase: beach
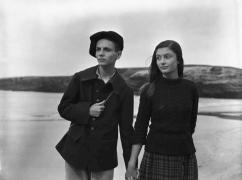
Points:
[[30, 128]]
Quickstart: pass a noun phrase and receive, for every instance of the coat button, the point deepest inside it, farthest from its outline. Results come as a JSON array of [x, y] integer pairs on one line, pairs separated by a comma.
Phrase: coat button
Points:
[[92, 128]]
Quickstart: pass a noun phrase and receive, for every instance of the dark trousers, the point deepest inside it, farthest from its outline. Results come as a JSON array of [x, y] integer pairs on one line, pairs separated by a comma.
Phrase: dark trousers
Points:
[[80, 174]]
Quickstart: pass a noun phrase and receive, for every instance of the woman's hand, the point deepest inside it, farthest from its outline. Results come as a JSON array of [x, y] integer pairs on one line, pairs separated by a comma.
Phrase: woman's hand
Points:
[[131, 172]]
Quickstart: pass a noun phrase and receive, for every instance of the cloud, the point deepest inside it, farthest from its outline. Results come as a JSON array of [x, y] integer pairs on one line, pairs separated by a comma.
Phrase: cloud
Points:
[[41, 34]]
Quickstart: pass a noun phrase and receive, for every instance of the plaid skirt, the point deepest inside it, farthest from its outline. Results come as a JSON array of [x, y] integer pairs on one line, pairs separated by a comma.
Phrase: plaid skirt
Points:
[[162, 167]]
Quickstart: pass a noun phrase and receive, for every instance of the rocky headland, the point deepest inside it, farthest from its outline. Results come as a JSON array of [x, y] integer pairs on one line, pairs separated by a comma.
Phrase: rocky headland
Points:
[[212, 81]]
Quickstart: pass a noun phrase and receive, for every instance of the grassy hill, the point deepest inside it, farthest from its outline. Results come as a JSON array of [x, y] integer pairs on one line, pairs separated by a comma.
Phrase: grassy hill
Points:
[[212, 81]]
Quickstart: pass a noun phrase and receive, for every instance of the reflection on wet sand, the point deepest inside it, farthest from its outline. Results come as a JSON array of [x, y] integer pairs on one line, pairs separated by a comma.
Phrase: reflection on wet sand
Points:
[[30, 129]]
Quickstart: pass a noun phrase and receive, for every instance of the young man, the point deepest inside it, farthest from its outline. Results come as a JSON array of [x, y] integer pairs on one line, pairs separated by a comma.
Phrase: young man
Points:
[[97, 102]]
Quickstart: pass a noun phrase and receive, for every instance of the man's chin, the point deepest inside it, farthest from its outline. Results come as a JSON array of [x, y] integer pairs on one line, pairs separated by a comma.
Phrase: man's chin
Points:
[[102, 64], [105, 64]]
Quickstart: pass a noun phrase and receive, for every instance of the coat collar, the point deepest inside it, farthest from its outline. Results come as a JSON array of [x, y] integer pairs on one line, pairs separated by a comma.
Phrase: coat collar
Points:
[[117, 81]]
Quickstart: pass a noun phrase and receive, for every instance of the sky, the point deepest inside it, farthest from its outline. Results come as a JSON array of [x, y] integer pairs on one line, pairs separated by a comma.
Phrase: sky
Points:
[[51, 37]]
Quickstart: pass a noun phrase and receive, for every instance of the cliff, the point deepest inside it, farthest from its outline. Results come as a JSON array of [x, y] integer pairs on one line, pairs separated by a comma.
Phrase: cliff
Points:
[[212, 81]]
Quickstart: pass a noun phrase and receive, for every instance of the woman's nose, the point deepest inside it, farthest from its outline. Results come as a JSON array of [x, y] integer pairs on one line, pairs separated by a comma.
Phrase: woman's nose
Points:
[[162, 60]]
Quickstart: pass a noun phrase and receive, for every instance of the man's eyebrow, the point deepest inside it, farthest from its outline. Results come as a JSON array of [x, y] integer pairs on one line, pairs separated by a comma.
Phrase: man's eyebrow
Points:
[[103, 47]]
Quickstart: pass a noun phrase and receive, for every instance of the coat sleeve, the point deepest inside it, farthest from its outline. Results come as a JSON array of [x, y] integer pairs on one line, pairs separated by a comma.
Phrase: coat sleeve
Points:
[[194, 109], [70, 107], [126, 124]]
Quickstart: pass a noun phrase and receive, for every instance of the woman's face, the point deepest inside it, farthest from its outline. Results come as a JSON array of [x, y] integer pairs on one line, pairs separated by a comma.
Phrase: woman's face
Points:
[[166, 61]]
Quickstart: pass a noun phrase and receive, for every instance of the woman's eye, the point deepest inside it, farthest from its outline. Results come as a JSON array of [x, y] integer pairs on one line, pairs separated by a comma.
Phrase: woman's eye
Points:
[[158, 57], [167, 56]]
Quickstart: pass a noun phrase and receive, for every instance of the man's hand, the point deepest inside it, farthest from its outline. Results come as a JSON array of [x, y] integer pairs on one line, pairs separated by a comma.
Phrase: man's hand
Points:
[[96, 109]]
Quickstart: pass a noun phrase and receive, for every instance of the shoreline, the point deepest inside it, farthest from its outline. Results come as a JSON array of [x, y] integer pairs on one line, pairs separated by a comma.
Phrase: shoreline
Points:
[[227, 115], [230, 116]]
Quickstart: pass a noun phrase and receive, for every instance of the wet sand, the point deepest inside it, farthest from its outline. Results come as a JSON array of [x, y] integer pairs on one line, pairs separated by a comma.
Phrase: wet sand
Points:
[[30, 129], [27, 150]]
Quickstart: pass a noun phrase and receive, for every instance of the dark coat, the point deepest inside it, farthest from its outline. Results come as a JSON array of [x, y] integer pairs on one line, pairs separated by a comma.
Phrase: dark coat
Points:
[[92, 142]]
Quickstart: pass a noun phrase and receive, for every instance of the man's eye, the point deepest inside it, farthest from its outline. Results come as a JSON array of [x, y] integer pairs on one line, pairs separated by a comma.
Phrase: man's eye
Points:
[[107, 49]]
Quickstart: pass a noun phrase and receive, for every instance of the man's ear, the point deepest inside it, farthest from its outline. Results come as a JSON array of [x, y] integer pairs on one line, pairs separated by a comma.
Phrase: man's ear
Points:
[[119, 53]]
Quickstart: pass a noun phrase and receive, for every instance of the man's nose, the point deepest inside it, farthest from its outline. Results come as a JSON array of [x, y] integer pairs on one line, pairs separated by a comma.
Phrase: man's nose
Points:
[[100, 52]]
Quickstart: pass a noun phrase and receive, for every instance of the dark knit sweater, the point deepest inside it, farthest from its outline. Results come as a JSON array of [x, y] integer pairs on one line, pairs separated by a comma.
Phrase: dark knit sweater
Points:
[[171, 111]]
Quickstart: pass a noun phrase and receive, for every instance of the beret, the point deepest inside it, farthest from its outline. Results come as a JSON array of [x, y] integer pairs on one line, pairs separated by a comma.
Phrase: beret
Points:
[[110, 35]]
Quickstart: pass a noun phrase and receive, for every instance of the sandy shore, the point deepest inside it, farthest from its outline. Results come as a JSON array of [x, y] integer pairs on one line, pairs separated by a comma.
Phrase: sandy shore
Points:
[[27, 150], [30, 129]]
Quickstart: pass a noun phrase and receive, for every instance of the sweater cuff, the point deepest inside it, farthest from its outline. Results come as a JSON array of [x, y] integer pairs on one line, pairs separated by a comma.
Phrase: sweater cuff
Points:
[[141, 141]]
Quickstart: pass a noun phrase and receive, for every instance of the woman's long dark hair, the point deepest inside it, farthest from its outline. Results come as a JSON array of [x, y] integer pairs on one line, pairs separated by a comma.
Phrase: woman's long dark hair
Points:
[[154, 72], [176, 48]]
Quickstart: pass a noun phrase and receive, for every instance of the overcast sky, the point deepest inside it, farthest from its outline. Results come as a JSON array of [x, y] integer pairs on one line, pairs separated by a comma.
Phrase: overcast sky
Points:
[[51, 37]]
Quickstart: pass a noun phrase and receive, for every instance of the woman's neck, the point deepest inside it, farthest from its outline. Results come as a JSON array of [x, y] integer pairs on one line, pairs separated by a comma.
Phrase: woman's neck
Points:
[[173, 75]]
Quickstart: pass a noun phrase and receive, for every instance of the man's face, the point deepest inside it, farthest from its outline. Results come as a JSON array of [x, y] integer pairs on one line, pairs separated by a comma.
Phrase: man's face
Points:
[[106, 53]]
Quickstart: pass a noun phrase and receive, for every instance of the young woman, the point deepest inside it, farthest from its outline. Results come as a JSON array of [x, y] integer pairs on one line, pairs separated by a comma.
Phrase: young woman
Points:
[[168, 103]]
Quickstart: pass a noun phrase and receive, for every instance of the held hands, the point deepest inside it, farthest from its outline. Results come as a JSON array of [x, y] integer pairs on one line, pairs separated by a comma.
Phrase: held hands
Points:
[[96, 109], [131, 173]]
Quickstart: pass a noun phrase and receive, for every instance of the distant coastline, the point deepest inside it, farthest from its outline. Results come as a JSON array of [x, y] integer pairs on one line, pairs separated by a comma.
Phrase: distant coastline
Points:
[[212, 81]]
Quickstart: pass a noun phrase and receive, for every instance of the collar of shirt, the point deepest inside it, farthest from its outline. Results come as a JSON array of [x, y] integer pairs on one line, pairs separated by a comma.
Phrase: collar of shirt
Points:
[[100, 77], [116, 80]]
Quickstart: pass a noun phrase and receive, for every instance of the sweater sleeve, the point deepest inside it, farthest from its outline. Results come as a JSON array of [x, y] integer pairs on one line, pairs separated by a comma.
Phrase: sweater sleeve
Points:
[[126, 124], [143, 117], [194, 109], [70, 108]]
